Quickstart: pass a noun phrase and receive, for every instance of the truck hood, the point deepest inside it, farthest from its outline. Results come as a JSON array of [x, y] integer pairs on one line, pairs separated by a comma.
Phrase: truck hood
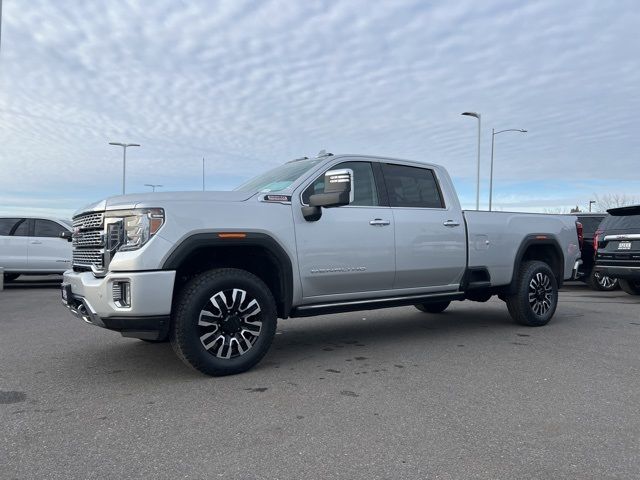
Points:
[[158, 199]]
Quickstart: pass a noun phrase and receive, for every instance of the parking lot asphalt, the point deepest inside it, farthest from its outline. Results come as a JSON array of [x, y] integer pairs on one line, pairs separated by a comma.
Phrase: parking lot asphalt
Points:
[[392, 393]]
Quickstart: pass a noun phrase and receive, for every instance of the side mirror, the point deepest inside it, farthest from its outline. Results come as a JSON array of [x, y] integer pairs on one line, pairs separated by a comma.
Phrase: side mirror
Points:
[[66, 235], [337, 190]]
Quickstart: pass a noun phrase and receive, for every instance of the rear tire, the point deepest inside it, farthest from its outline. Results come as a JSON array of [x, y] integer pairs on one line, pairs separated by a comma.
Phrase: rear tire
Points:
[[224, 321], [10, 277], [632, 287], [536, 297], [437, 307], [602, 283]]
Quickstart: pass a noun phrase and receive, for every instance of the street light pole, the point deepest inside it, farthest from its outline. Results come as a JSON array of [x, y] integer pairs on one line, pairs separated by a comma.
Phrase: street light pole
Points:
[[124, 159], [152, 185], [203, 174], [478, 116], [493, 136]]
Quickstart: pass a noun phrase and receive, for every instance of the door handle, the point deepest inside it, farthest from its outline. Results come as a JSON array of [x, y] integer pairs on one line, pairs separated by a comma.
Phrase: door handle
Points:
[[36, 242], [451, 223], [378, 222]]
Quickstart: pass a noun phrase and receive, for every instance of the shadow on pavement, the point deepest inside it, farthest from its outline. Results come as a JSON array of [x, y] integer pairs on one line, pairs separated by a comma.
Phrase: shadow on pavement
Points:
[[36, 281]]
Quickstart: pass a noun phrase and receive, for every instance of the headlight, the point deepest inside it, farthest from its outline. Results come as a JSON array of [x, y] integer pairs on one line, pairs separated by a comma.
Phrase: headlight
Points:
[[131, 229]]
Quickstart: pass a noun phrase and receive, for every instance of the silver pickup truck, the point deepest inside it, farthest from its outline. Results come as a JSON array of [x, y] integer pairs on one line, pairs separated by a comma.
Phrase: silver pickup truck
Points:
[[213, 271]]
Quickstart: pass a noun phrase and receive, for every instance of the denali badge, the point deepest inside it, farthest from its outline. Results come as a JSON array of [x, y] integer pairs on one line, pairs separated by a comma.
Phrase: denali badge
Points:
[[338, 270], [277, 198]]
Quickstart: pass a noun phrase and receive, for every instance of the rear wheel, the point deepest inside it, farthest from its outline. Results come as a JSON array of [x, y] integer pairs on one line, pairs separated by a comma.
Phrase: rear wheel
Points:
[[536, 297], [223, 322], [601, 282], [632, 287], [10, 277], [437, 307]]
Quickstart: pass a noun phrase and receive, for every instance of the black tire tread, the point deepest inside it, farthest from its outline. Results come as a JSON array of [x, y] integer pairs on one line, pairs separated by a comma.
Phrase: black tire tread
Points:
[[435, 307], [629, 286], [185, 297], [520, 310]]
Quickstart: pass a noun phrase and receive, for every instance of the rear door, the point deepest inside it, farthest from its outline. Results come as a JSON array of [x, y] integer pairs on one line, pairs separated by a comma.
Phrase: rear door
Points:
[[430, 235], [350, 249], [47, 251], [14, 243]]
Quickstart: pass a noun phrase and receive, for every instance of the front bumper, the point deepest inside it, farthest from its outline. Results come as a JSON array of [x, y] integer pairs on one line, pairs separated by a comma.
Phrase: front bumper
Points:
[[147, 317]]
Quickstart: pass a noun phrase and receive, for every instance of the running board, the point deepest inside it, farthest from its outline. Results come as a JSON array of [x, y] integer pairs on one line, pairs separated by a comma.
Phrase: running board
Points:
[[372, 304]]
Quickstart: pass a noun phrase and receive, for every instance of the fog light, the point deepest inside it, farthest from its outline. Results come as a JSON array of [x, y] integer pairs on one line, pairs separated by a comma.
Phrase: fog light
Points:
[[121, 293]]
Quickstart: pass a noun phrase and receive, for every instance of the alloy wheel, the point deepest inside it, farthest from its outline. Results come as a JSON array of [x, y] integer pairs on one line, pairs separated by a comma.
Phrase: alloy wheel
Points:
[[229, 323], [540, 294], [605, 281]]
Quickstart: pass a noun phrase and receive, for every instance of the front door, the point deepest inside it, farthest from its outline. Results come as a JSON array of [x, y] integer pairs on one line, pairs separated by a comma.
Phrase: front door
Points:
[[350, 249], [47, 251]]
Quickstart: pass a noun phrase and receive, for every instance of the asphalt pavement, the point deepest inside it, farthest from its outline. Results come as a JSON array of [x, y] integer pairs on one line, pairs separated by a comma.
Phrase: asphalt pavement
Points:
[[393, 393]]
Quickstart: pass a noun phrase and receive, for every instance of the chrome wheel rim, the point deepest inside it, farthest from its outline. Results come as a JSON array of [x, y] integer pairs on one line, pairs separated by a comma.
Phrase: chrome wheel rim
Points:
[[605, 281], [540, 294], [229, 324]]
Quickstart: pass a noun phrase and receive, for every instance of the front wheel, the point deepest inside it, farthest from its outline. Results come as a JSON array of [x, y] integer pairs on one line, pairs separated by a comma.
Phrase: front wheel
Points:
[[601, 282], [224, 322], [630, 286], [536, 297], [437, 307]]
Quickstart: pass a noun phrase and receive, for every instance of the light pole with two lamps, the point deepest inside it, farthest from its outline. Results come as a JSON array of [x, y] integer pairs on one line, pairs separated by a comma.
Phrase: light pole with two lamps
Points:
[[493, 136], [153, 185]]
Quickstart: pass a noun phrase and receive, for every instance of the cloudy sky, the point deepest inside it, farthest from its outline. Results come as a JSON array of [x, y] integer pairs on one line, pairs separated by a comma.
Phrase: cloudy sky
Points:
[[250, 84]]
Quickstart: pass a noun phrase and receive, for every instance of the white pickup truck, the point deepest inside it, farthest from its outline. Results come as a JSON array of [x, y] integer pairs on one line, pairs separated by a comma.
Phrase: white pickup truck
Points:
[[213, 271]]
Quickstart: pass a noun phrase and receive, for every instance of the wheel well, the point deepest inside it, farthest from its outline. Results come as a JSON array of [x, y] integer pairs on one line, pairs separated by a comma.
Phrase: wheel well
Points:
[[547, 253], [255, 259]]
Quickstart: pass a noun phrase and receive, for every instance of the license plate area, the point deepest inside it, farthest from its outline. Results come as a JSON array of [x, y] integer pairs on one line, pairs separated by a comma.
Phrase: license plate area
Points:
[[65, 291], [624, 245]]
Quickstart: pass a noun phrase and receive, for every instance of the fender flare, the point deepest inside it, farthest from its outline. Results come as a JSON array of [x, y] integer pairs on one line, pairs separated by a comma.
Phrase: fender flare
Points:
[[537, 239], [212, 239]]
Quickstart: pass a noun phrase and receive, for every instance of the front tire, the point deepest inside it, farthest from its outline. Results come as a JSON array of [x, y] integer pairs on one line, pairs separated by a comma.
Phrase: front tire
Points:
[[223, 322], [437, 307], [536, 297], [602, 283], [630, 286]]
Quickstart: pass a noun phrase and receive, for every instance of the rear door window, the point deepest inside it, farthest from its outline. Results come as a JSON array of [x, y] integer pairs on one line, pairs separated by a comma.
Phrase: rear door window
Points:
[[412, 187], [8, 226]]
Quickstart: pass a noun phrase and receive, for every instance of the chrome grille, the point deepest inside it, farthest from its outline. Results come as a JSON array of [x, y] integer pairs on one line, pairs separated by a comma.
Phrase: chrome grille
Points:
[[87, 221], [87, 256], [88, 238], [92, 238]]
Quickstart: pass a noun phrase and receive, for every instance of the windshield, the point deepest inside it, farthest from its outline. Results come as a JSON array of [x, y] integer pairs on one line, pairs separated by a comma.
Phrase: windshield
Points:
[[278, 178]]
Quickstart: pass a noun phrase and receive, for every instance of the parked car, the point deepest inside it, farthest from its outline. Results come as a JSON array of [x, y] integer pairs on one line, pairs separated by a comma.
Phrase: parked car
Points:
[[618, 247], [596, 280], [214, 270], [34, 246]]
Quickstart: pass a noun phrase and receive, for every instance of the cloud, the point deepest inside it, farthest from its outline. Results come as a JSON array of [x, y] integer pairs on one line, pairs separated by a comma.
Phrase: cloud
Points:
[[249, 85]]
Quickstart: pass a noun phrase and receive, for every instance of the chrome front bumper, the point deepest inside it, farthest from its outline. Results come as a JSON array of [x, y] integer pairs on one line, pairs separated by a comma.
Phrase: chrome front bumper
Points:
[[151, 292]]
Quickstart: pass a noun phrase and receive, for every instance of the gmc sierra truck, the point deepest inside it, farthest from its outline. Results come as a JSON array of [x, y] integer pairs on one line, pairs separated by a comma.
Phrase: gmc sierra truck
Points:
[[213, 271]]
